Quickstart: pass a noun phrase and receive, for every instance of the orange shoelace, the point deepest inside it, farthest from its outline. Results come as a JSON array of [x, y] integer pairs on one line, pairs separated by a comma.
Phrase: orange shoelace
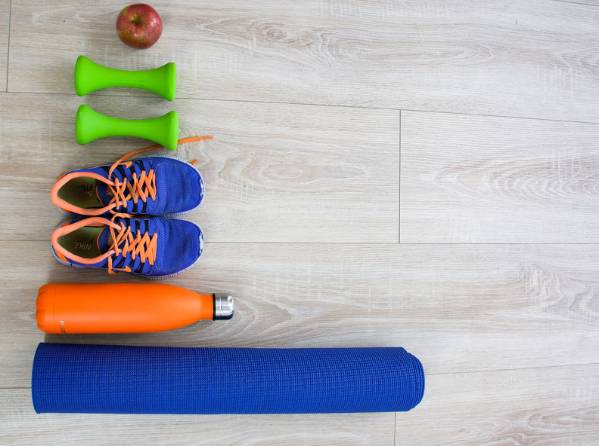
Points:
[[140, 187], [125, 242]]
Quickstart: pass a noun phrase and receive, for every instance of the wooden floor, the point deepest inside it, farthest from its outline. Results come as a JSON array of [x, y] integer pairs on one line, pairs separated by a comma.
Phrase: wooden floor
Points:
[[385, 173]]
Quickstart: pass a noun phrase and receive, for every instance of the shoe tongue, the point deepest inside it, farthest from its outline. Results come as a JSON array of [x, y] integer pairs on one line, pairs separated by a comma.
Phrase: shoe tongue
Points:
[[104, 240], [103, 194], [102, 191]]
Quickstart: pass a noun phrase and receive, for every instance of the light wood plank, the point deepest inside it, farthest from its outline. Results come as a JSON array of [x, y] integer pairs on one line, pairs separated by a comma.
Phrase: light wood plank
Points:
[[274, 173], [4, 26], [553, 406], [499, 328], [513, 58], [485, 179], [458, 308], [21, 426]]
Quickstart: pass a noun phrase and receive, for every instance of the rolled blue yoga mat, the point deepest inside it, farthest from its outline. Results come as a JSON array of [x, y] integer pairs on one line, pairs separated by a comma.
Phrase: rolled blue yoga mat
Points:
[[169, 380]]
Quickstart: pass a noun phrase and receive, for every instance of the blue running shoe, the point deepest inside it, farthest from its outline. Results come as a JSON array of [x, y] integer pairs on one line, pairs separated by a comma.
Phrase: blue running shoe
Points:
[[147, 186], [153, 247]]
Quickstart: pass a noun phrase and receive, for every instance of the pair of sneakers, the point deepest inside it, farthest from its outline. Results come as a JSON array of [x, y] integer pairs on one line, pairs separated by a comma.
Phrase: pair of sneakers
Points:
[[119, 212]]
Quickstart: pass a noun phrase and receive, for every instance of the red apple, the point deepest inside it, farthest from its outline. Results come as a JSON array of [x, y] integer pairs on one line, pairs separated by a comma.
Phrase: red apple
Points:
[[139, 25]]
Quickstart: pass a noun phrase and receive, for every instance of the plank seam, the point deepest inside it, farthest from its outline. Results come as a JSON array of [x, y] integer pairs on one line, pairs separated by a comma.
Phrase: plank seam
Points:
[[557, 366], [576, 3], [462, 372], [399, 186], [360, 243], [395, 429], [8, 42], [315, 104]]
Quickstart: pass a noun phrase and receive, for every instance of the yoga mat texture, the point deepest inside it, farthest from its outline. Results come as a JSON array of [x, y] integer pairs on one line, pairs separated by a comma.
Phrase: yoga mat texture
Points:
[[169, 380]]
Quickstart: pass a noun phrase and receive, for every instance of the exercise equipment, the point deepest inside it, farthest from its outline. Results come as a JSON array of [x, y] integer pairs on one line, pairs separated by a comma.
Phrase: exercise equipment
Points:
[[172, 380], [90, 76], [77, 308], [91, 125]]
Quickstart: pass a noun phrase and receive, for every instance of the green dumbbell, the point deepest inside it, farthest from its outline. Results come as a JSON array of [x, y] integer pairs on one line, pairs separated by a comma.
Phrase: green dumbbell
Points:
[[90, 77], [91, 125]]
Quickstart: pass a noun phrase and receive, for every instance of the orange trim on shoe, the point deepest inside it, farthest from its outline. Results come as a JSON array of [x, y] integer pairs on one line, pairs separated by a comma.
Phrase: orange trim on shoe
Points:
[[67, 229], [65, 205]]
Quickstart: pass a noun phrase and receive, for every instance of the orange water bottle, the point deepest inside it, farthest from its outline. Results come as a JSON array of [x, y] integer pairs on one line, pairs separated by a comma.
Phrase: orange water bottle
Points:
[[78, 308]]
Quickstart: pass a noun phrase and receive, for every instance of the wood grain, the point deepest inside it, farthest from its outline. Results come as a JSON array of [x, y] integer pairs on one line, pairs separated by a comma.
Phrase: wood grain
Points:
[[475, 179], [546, 406], [23, 427], [513, 58], [449, 305], [496, 289], [274, 172], [4, 26]]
